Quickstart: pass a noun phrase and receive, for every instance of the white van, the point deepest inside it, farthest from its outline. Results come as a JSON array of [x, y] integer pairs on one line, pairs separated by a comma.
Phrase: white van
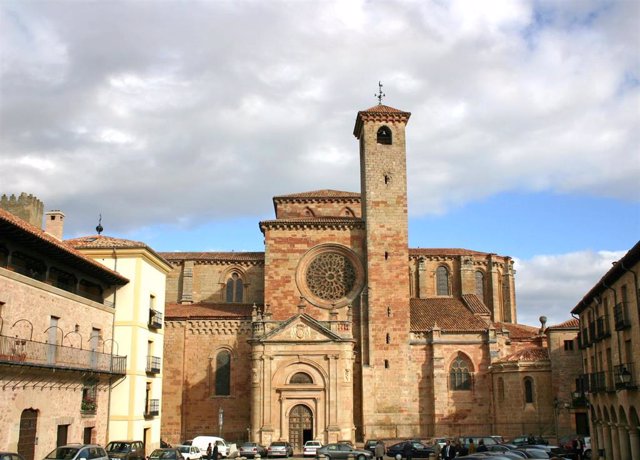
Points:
[[201, 442]]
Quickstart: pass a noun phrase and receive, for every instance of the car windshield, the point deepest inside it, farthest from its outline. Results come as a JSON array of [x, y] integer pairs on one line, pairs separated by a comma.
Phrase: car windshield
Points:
[[118, 447], [163, 454], [278, 444], [64, 453], [184, 449]]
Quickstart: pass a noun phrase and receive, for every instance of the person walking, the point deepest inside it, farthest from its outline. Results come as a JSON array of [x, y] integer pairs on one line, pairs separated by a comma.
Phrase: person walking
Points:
[[448, 451], [407, 450], [209, 452], [472, 446], [482, 447], [379, 450], [214, 453]]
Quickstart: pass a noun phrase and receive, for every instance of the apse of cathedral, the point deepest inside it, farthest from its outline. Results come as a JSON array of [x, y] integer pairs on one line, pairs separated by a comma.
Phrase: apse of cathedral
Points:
[[340, 331]]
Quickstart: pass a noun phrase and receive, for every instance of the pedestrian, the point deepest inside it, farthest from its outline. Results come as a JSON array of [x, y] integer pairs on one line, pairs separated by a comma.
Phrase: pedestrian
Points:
[[482, 447], [472, 446], [437, 449], [214, 453], [461, 448], [209, 452], [407, 450], [448, 451], [379, 450]]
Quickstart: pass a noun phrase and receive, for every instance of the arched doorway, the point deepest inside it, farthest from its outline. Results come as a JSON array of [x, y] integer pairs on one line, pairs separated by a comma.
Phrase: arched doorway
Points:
[[300, 426], [27, 437]]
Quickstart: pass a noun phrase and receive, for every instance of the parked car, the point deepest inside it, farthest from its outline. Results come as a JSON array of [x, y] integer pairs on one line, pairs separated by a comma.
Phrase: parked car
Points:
[[125, 450], [189, 452], [587, 447], [170, 453], [201, 442], [310, 448], [341, 450], [370, 445], [10, 456], [531, 440], [488, 440], [533, 452], [280, 449], [78, 452], [418, 449], [251, 449]]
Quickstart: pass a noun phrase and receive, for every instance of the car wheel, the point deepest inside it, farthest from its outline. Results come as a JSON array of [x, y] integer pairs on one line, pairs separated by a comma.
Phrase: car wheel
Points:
[[587, 453], [361, 457]]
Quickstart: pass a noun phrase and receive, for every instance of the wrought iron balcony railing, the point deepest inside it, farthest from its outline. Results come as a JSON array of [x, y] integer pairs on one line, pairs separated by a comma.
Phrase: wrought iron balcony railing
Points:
[[623, 376], [155, 319], [153, 364], [30, 353], [602, 328], [152, 408], [621, 316]]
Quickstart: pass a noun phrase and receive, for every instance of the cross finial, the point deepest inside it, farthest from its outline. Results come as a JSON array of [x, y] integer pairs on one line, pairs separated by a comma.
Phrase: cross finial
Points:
[[380, 94]]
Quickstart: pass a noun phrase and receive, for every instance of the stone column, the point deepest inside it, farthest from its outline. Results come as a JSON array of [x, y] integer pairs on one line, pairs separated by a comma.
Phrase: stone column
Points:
[[266, 396], [623, 438], [634, 441], [599, 444], [608, 449], [256, 407], [615, 442]]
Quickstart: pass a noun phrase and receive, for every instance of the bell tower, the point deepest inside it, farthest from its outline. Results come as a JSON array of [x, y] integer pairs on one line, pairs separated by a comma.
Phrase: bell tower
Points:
[[388, 403]]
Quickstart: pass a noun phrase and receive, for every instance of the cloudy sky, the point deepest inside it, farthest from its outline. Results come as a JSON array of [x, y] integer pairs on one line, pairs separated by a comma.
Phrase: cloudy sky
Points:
[[177, 121]]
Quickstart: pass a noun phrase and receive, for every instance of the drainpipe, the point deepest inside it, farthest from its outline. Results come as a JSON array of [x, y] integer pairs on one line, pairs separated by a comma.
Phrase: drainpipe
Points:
[[635, 280], [113, 332]]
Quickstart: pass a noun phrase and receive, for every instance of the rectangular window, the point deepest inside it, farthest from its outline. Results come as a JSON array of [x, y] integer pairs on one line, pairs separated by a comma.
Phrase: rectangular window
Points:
[[568, 345]]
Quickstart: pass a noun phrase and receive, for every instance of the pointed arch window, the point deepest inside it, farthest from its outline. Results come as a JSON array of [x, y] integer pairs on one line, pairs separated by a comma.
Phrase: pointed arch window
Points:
[[528, 390], [480, 284], [459, 375], [442, 281], [223, 373], [301, 377], [384, 136], [235, 289]]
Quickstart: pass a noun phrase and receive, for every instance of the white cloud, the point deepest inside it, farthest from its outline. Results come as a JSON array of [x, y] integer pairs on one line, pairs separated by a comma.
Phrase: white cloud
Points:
[[551, 285]]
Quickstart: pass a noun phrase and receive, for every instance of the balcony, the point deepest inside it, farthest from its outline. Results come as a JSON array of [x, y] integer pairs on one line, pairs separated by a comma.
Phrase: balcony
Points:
[[597, 382], [585, 338], [602, 328], [23, 352], [621, 317], [155, 319], [153, 365], [592, 331], [152, 408], [624, 377]]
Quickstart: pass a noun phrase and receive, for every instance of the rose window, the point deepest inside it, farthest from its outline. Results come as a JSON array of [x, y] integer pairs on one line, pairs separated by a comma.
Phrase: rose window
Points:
[[330, 276]]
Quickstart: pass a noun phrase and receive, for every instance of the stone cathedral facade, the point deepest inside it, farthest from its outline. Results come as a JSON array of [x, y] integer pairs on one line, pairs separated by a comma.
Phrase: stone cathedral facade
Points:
[[340, 331]]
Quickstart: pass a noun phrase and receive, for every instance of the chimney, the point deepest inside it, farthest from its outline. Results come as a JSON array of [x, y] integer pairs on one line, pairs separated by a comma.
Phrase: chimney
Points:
[[54, 223]]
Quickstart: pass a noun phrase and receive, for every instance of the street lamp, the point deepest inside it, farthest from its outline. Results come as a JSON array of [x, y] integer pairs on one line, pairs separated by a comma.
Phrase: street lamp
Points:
[[625, 376]]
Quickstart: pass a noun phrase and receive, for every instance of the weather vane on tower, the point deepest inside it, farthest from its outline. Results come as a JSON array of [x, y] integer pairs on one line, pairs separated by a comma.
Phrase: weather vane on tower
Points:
[[380, 94]]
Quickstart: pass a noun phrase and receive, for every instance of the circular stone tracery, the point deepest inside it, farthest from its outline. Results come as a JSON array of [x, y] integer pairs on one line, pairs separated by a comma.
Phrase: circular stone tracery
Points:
[[330, 276]]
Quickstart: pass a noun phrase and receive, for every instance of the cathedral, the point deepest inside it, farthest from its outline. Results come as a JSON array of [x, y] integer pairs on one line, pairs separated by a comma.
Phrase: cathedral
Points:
[[340, 331]]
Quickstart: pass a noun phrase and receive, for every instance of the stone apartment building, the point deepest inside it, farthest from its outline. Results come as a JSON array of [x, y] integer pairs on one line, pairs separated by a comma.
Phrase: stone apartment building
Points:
[[340, 331], [610, 343], [56, 335]]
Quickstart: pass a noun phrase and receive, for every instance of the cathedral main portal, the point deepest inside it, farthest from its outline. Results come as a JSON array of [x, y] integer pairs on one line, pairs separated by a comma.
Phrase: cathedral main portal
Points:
[[300, 426]]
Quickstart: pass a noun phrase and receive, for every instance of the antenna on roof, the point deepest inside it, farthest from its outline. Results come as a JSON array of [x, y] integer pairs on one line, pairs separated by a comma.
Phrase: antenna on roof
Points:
[[99, 228], [380, 94]]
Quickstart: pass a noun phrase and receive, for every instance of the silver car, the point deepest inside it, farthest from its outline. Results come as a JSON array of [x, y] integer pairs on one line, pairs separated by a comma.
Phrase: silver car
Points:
[[78, 452]]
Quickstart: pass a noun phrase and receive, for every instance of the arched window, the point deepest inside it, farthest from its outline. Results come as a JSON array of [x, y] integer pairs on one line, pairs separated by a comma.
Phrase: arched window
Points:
[[500, 389], [301, 377], [384, 135], [235, 289], [223, 373], [528, 390], [460, 375], [480, 284], [442, 281]]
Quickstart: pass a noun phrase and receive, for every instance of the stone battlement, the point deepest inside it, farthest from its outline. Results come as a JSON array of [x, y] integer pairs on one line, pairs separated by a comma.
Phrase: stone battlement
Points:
[[27, 207]]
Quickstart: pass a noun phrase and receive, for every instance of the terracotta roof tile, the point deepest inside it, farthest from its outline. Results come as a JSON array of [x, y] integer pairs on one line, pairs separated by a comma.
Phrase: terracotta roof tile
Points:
[[519, 331], [11, 223], [533, 354], [174, 311], [572, 323], [449, 313], [221, 256], [475, 304], [379, 113], [445, 252], [381, 108], [108, 242], [323, 194]]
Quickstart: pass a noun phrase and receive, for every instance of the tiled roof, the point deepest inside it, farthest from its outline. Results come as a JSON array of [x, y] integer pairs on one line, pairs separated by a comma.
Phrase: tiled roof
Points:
[[519, 331], [107, 242], [10, 225], [381, 108], [325, 193], [382, 113], [175, 311], [532, 354], [572, 323], [475, 304], [222, 256], [445, 252], [449, 313]]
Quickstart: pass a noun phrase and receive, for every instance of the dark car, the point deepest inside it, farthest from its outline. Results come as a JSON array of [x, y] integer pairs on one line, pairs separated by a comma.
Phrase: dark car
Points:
[[125, 450], [165, 454], [251, 449], [418, 449], [10, 456], [280, 449], [341, 450]]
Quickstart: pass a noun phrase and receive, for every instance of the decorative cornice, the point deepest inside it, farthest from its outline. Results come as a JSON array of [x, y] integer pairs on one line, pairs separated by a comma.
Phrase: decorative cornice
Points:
[[333, 223]]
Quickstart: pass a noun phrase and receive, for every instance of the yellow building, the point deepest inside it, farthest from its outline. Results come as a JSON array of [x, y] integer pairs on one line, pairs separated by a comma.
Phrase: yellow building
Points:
[[610, 340], [138, 333]]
